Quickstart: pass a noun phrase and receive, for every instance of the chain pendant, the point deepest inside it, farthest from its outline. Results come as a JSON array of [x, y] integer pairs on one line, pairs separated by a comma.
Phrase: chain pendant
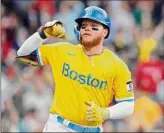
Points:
[[92, 61]]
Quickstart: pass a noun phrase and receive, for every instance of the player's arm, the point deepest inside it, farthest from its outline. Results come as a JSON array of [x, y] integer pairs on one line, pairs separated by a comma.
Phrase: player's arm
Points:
[[27, 53], [123, 95]]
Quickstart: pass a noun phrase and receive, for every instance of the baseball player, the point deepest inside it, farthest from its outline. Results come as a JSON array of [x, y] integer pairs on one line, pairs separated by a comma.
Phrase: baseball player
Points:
[[87, 76]]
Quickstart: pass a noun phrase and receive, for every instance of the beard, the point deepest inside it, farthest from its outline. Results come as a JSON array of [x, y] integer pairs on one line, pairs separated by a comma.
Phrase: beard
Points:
[[90, 44]]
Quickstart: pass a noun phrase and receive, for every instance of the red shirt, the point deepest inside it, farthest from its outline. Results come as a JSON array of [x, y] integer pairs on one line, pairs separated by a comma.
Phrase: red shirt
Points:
[[148, 75]]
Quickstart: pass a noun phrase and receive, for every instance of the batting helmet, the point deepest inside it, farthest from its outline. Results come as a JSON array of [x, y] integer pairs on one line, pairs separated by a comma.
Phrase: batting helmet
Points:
[[93, 13]]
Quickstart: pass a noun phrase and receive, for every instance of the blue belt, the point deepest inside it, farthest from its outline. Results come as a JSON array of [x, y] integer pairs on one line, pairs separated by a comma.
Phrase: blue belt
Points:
[[78, 128]]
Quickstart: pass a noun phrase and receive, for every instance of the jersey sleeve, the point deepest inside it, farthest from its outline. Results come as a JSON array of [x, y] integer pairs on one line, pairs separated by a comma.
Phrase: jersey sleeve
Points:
[[123, 85], [46, 54]]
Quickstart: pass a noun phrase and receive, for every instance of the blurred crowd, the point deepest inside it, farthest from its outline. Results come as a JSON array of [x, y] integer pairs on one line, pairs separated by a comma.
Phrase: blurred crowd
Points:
[[136, 36]]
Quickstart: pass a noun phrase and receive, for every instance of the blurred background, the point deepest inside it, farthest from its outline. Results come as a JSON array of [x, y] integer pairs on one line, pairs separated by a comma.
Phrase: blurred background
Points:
[[136, 36]]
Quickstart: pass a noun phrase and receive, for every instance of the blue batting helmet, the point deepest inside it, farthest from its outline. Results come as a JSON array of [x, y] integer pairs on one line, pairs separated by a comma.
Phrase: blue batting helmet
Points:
[[93, 13]]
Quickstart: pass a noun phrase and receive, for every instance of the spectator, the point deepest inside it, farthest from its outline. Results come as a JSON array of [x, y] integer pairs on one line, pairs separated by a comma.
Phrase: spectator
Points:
[[67, 14]]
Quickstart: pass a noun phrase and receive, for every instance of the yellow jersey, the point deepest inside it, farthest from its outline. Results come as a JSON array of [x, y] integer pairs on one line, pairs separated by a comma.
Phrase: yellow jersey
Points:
[[145, 117], [146, 46], [79, 78]]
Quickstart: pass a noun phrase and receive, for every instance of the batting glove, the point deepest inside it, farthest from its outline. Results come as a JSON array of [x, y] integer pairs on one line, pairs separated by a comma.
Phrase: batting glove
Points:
[[96, 113], [53, 29]]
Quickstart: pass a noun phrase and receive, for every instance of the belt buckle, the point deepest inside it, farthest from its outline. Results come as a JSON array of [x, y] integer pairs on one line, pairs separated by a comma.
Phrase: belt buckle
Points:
[[65, 122]]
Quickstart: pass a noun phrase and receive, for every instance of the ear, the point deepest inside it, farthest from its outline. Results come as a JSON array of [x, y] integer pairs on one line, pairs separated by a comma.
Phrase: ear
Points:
[[105, 32]]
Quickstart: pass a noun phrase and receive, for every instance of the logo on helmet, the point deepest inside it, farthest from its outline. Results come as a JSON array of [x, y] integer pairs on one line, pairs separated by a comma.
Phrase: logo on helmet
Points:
[[89, 12]]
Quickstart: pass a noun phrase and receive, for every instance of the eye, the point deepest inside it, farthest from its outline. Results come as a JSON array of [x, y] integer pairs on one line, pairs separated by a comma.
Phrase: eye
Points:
[[83, 26], [94, 27]]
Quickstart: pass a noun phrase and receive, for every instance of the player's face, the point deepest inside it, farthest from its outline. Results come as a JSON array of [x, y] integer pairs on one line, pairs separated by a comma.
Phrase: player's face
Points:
[[92, 33]]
